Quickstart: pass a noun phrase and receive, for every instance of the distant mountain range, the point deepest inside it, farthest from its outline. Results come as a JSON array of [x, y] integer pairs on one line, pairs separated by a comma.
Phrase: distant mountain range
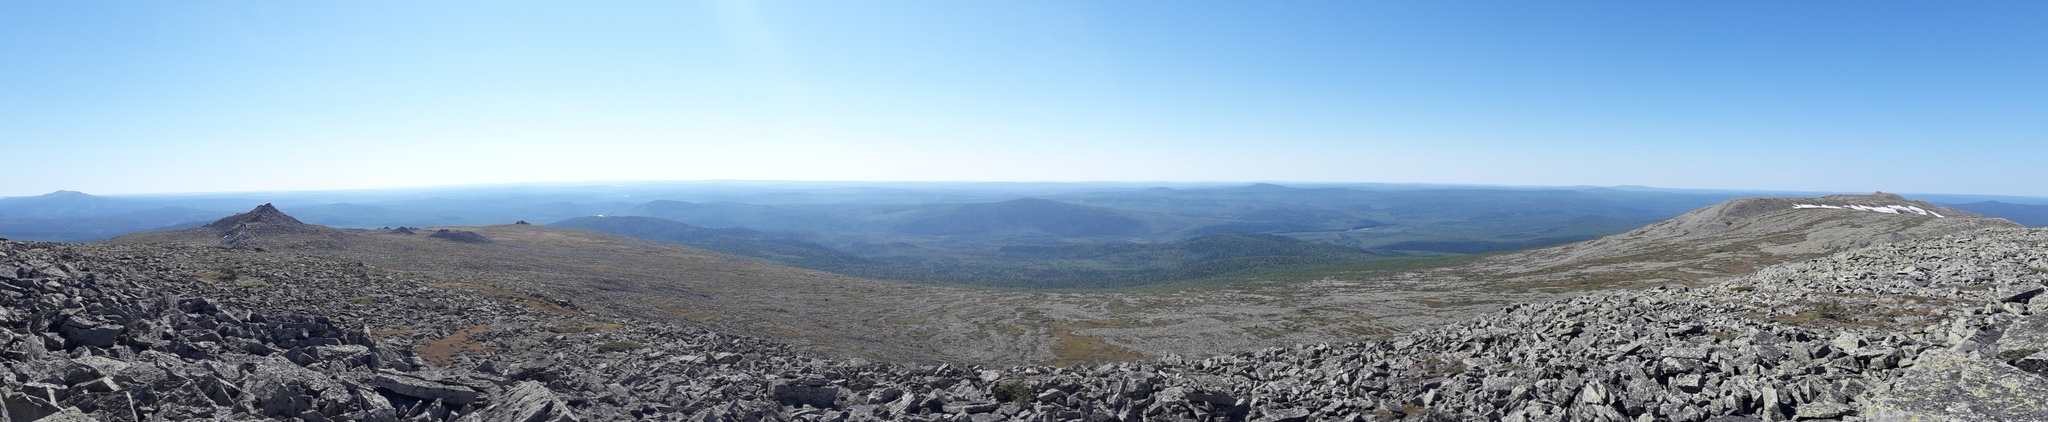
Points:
[[967, 233]]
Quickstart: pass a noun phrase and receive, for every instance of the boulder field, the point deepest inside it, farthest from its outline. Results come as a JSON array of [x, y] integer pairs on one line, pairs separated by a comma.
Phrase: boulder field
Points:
[[1935, 329]]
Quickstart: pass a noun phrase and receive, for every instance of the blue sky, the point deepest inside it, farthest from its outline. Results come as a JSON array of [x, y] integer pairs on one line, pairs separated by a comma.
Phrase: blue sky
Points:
[[153, 97]]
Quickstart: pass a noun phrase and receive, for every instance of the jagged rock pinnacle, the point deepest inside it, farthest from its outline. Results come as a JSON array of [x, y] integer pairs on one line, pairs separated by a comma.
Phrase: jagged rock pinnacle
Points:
[[261, 214], [265, 224]]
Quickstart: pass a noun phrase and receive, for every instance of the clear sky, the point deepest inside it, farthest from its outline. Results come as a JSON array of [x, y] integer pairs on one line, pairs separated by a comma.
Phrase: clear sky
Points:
[[114, 97]]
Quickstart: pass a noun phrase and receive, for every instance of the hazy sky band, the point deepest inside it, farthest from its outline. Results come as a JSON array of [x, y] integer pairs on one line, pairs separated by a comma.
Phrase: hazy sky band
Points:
[[135, 97]]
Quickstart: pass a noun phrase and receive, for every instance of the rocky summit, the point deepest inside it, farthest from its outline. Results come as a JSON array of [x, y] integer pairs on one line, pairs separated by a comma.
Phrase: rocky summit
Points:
[[1736, 237], [463, 236], [1941, 328], [263, 225]]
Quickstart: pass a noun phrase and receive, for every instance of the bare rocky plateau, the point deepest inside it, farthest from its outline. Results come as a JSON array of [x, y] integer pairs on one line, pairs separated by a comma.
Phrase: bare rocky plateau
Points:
[[1871, 316], [838, 315]]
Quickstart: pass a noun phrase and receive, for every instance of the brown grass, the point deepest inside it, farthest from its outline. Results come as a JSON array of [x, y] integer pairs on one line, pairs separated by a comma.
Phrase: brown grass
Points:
[[1434, 303], [1818, 312], [385, 333], [443, 351], [218, 274], [1267, 333], [1412, 409], [699, 317], [1069, 348]]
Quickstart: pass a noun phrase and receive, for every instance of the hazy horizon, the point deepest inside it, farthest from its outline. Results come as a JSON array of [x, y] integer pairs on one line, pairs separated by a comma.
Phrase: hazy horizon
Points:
[[149, 97], [966, 185]]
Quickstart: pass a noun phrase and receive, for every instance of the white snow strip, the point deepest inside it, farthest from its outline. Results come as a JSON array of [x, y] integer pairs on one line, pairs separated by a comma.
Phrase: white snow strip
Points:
[[1887, 209]]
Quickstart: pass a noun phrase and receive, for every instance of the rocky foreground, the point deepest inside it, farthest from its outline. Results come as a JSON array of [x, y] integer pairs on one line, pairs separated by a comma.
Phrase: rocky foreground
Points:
[[1936, 329]]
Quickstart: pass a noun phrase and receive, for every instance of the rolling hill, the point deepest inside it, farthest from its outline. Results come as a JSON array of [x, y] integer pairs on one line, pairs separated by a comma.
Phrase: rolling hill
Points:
[[1024, 217]]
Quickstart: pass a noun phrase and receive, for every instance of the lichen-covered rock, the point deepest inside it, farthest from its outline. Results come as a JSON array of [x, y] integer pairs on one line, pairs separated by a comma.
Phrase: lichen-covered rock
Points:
[[1944, 385], [527, 401]]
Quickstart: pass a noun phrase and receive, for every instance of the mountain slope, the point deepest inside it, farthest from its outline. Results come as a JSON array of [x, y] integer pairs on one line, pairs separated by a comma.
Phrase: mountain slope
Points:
[[1346, 301], [1735, 237], [610, 275]]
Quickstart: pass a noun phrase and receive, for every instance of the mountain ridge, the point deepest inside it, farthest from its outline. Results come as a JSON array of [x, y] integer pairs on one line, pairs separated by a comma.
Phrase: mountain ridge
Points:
[[1738, 235]]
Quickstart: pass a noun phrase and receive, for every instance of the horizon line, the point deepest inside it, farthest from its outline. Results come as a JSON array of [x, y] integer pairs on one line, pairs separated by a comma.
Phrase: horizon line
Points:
[[1157, 183]]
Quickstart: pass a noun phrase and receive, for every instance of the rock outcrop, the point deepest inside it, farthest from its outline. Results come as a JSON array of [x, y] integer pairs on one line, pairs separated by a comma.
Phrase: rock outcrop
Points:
[[463, 236], [262, 215], [264, 227], [1737, 236]]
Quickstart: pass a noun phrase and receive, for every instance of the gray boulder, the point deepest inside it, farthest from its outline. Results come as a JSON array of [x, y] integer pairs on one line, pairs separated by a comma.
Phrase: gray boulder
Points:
[[425, 390], [813, 392], [526, 402], [83, 331], [1940, 380]]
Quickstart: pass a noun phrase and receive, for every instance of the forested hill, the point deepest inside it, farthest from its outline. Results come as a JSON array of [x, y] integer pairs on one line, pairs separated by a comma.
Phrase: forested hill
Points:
[[1079, 265]]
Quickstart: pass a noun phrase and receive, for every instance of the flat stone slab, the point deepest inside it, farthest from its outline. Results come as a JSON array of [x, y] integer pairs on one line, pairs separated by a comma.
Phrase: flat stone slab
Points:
[[1944, 385], [423, 389]]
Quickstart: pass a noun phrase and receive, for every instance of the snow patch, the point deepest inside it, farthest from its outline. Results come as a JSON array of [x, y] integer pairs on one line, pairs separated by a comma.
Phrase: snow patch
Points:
[[1887, 209]]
